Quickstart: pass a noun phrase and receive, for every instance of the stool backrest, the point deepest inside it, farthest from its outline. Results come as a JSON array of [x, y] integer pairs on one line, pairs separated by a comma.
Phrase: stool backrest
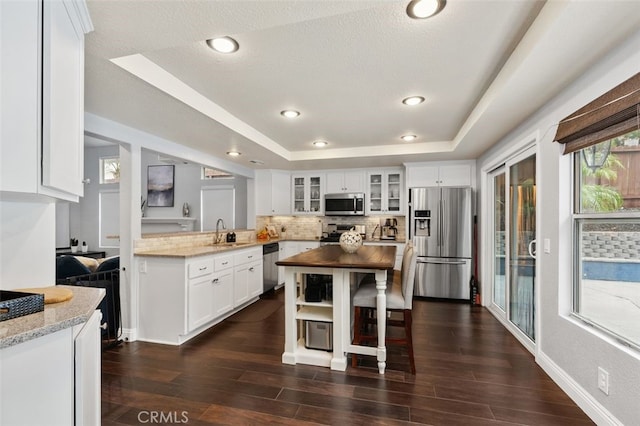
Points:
[[408, 273]]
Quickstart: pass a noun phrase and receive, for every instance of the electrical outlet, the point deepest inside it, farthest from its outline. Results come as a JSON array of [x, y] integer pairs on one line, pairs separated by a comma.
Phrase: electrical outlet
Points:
[[603, 380], [142, 267]]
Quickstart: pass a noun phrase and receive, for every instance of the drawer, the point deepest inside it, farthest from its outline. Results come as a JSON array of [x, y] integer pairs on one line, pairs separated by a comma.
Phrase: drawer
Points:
[[201, 267], [223, 262], [245, 256]]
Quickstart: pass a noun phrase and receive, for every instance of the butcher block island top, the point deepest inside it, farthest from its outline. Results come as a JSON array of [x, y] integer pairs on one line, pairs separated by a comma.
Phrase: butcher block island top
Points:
[[332, 256]]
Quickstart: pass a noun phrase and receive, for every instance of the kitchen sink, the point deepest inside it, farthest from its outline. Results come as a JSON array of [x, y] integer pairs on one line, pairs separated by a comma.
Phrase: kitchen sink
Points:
[[223, 245]]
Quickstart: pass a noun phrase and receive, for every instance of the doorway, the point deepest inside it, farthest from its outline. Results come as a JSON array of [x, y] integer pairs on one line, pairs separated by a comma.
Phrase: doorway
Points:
[[512, 196], [217, 203]]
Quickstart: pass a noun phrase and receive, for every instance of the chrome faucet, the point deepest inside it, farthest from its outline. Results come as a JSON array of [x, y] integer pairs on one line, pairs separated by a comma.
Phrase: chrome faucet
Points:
[[217, 241]]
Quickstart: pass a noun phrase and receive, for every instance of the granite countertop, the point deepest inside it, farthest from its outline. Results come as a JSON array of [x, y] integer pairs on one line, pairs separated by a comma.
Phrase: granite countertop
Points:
[[194, 251], [55, 317]]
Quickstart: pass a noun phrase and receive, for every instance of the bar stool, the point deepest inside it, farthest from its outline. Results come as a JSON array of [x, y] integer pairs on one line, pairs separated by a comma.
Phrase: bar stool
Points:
[[399, 299]]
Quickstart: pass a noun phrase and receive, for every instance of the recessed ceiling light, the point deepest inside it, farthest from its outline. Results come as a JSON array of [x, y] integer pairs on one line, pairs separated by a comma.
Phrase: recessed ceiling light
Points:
[[413, 100], [233, 153], [408, 138], [223, 44], [320, 144], [421, 9], [289, 113]]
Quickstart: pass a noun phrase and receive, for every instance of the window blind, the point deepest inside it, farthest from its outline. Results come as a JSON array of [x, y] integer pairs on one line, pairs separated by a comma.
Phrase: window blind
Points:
[[612, 114]]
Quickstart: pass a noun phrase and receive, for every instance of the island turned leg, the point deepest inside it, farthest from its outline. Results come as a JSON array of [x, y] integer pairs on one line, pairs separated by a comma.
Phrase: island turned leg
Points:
[[381, 308]]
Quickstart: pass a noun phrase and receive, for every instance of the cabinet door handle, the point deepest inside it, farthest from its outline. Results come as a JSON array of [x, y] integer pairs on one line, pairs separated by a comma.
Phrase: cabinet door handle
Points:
[[203, 268], [251, 269], [215, 280], [224, 263], [249, 257]]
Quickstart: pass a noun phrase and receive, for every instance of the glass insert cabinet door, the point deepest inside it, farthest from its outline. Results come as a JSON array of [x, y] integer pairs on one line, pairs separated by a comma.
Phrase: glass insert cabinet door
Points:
[[307, 194], [385, 192], [375, 193], [393, 192], [298, 194]]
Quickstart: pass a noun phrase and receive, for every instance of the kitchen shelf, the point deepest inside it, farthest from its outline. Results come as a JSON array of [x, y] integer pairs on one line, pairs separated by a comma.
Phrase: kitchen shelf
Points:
[[324, 304], [185, 223], [315, 313], [317, 357], [178, 220]]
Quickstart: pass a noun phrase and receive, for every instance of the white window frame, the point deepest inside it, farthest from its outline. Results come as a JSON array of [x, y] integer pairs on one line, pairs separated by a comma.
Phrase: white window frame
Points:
[[579, 219], [103, 161]]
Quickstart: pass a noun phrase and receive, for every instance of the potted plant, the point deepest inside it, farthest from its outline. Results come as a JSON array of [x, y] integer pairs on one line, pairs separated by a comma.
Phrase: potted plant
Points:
[[74, 245], [85, 247]]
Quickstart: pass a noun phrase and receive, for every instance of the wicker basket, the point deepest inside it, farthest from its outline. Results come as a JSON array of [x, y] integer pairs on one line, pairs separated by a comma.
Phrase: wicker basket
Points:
[[15, 304]]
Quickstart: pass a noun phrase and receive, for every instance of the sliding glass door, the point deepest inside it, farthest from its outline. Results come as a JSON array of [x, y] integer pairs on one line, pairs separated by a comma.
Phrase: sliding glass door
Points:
[[522, 239], [513, 227], [498, 180]]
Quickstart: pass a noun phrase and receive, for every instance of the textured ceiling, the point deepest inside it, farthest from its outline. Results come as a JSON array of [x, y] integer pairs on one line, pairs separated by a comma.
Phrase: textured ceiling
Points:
[[345, 65]]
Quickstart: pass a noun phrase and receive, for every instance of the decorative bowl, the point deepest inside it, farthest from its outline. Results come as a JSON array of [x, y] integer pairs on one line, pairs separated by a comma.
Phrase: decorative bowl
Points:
[[350, 241]]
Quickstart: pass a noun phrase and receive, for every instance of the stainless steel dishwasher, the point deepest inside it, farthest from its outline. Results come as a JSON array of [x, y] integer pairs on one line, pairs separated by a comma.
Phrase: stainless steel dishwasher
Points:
[[270, 269]]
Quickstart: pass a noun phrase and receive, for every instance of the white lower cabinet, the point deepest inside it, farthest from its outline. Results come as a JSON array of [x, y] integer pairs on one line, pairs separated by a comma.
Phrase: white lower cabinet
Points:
[[287, 249], [88, 350], [222, 292], [303, 246], [53, 379], [201, 309], [181, 297], [247, 276]]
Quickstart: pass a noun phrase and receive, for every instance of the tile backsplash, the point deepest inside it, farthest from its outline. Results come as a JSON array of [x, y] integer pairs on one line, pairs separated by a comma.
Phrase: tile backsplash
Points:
[[297, 227], [312, 227]]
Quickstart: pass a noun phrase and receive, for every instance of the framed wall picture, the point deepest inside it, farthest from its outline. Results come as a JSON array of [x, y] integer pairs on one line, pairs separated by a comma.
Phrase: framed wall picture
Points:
[[160, 185]]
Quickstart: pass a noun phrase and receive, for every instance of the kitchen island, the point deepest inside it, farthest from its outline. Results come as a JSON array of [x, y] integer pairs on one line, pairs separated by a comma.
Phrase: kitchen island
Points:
[[332, 260]]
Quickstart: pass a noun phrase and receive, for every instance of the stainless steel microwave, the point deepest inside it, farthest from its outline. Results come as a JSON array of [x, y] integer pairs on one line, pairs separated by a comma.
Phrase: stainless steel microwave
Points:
[[351, 204]]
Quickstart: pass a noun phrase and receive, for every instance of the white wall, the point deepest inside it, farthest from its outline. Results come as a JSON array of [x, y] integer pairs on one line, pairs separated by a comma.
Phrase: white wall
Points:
[[27, 244], [568, 350], [187, 185], [84, 216]]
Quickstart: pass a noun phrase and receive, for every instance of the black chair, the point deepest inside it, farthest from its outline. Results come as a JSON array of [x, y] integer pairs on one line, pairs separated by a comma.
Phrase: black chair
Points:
[[106, 276]]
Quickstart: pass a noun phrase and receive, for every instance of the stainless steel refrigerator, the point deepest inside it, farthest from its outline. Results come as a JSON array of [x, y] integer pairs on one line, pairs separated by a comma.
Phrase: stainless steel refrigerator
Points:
[[440, 227]]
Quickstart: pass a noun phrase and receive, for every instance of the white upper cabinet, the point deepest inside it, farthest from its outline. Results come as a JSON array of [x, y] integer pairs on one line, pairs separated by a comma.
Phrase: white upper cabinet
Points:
[[385, 192], [307, 193], [42, 104], [420, 175], [273, 192], [345, 181]]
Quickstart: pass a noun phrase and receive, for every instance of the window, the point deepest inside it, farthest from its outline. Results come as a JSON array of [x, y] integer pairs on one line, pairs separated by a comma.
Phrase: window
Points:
[[607, 236], [110, 170], [209, 173]]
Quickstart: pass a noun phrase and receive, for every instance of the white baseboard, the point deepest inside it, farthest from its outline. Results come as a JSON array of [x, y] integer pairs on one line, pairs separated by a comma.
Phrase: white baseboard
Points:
[[129, 334], [600, 415]]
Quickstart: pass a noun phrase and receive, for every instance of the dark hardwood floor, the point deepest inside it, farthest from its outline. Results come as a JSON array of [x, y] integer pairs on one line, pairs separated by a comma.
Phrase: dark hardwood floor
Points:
[[470, 371]]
